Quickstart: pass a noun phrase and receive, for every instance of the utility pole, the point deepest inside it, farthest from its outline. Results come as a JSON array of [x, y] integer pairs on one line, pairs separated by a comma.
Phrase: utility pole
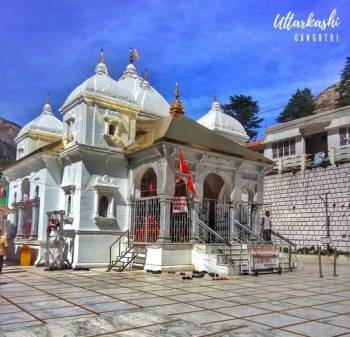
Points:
[[328, 223]]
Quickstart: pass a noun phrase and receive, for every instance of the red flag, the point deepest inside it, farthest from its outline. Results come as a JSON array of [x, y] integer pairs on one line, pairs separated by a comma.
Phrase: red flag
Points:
[[190, 185], [183, 165]]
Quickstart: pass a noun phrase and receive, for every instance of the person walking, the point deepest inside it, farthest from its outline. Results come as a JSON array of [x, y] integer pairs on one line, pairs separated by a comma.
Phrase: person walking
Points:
[[266, 226], [3, 246]]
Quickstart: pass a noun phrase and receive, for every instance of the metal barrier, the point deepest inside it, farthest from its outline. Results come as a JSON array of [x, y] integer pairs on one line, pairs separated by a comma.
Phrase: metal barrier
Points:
[[180, 229], [146, 219]]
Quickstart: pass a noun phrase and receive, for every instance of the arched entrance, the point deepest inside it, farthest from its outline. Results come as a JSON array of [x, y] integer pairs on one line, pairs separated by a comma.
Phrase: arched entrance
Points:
[[149, 184], [147, 209], [27, 208], [215, 208]]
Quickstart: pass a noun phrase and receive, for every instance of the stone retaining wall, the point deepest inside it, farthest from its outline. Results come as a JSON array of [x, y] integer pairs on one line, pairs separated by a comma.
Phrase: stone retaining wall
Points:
[[299, 213]]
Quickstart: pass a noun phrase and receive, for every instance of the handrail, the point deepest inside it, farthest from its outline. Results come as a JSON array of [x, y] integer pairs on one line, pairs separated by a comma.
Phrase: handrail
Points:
[[212, 232], [127, 232], [249, 231], [283, 238]]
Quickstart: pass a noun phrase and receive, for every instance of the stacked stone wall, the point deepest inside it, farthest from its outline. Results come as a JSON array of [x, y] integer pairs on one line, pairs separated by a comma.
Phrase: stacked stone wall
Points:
[[299, 213]]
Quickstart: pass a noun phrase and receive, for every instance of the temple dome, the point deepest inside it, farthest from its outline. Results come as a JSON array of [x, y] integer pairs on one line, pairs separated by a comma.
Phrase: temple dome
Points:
[[45, 123], [100, 84], [224, 124], [151, 102]]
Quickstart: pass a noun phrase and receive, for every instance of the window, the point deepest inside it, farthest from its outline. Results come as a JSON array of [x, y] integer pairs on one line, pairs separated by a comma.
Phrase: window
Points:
[[37, 192], [283, 149], [111, 129], [69, 204], [103, 207], [344, 136]]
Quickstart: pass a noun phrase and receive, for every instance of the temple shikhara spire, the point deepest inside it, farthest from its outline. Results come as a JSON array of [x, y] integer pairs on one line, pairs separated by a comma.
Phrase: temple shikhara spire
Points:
[[47, 106], [101, 68], [176, 108], [131, 55]]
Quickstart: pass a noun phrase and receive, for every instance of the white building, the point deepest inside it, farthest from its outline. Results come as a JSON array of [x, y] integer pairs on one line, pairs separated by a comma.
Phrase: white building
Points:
[[112, 165], [293, 145]]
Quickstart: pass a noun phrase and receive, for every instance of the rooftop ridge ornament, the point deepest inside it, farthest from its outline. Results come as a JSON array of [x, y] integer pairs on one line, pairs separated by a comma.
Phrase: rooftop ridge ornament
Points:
[[176, 108], [102, 56], [131, 56], [145, 75], [47, 106], [145, 82], [101, 68], [215, 104]]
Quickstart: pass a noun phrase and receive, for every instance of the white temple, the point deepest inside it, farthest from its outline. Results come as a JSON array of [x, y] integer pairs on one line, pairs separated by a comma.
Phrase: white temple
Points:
[[112, 166]]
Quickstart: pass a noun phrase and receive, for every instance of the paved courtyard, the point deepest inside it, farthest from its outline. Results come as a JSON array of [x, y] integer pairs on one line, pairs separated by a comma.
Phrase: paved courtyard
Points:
[[34, 302]]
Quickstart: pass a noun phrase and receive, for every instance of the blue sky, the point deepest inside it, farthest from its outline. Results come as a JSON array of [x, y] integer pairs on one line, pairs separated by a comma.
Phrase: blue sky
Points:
[[229, 47]]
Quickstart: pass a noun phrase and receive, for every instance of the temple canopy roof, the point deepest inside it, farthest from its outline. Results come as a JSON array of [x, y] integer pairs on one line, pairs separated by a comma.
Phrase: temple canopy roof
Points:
[[185, 131]]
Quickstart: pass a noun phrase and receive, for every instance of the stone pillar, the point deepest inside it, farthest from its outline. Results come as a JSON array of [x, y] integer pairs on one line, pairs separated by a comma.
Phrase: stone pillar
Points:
[[111, 208], [35, 219], [233, 235], [20, 220], [194, 214], [96, 204], [164, 223]]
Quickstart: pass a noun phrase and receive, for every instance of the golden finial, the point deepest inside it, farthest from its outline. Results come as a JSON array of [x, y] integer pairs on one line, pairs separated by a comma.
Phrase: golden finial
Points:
[[176, 108], [102, 56], [131, 55], [145, 75]]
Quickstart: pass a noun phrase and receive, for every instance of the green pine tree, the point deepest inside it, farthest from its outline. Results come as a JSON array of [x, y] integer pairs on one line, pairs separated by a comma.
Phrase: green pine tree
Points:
[[245, 110], [344, 86], [301, 104]]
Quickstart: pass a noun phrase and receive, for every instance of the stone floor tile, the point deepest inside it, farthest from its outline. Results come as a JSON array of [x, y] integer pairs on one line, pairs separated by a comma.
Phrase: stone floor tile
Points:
[[149, 302], [7, 308], [242, 311], [45, 305], [59, 312], [177, 308], [92, 300], [317, 329], [334, 307], [275, 305], [33, 299], [204, 316], [342, 321], [276, 319], [191, 297], [309, 313], [110, 306], [16, 326], [15, 317], [213, 304]]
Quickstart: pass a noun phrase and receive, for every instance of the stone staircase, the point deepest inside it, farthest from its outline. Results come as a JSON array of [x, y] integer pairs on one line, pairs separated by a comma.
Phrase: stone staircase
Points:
[[130, 254]]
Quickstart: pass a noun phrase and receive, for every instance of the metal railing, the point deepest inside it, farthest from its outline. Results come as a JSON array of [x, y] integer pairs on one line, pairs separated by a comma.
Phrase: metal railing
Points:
[[119, 242], [284, 243], [219, 246], [245, 235], [208, 235]]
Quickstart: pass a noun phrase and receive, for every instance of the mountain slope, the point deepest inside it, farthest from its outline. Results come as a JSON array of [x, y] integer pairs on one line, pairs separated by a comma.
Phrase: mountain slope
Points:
[[8, 131]]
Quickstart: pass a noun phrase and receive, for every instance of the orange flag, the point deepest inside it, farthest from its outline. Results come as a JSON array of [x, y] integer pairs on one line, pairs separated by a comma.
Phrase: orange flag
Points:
[[183, 167], [190, 185]]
